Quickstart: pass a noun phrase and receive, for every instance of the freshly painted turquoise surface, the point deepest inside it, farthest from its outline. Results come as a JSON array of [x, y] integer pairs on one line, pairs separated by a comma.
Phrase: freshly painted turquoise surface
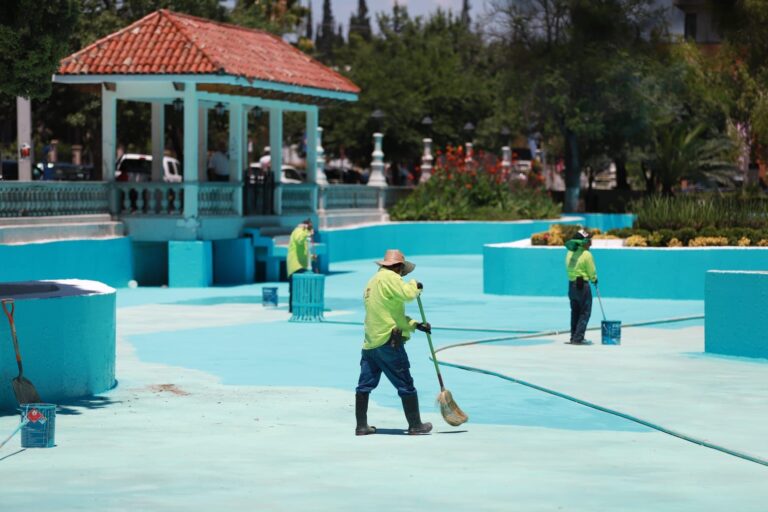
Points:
[[66, 333], [150, 263], [233, 261], [109, 261], [641, 273], [190, 264], [736, 307], [457, 237]]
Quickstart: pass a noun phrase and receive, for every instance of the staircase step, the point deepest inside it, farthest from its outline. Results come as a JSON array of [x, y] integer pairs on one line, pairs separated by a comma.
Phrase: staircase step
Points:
[[37, 232]]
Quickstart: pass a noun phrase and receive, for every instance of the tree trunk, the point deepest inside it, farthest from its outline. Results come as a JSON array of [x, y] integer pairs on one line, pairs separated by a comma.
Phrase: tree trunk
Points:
[[572, 173], [621, 173]]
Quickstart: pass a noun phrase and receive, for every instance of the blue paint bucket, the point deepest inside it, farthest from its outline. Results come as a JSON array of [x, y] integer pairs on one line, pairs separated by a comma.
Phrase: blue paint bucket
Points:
[[611, 331], [269, 296], [40, 427]]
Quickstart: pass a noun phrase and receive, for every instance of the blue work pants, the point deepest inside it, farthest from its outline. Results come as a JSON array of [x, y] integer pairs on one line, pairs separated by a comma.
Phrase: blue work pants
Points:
[[393, 361], [581, 309]]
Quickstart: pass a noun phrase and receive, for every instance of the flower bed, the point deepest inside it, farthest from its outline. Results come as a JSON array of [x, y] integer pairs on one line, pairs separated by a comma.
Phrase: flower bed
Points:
[[474, 189]]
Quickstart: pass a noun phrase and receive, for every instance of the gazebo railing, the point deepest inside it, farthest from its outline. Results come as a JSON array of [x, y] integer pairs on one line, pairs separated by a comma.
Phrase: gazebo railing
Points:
[[39, 199], [347, 197], [220, 198], [298, 198], [148, 198]]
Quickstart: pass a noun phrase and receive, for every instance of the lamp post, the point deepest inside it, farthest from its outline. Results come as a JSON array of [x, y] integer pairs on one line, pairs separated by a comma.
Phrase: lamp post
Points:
[[219, 108], [426, 158], [469, 128], [377, 164]]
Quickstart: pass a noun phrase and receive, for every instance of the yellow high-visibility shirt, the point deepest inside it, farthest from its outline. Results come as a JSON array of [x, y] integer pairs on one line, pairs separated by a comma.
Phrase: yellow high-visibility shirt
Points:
[[298, 250], [579, 263], [385, 297]]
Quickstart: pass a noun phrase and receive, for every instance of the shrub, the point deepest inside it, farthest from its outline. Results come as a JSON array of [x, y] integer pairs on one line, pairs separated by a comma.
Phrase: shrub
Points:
[[701, 211], [744, 242], [540, 238], [763, 243], [636, 241], [685, 235], [708, 241], [674, 242], [476, 191]]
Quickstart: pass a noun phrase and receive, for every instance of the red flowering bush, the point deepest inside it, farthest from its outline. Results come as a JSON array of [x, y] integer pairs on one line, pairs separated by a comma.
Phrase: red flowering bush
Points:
[[473, 187]]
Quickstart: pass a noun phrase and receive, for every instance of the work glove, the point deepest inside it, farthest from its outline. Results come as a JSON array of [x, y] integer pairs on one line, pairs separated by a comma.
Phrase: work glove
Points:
[[419, 285], [424, 327]]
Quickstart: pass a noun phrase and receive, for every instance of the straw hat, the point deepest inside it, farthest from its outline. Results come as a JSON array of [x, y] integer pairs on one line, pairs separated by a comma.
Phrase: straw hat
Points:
[[393, 257]]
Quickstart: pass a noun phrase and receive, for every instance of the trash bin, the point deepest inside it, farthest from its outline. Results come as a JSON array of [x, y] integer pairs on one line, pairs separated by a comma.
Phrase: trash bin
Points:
[[308, 299], [269, 296]]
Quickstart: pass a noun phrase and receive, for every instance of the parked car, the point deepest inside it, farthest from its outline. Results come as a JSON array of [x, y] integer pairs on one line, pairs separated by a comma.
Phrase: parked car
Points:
[[522, 159], [138, 167], [290, 174], [9, 170], [62, 171]]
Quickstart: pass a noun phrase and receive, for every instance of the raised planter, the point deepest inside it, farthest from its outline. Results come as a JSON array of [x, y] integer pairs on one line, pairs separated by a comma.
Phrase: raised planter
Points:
[[66, 332], [634, 272]]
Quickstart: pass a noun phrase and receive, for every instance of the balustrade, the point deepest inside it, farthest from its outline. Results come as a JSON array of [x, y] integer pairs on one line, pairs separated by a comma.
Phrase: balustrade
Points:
[[149, 198], [23, 199]]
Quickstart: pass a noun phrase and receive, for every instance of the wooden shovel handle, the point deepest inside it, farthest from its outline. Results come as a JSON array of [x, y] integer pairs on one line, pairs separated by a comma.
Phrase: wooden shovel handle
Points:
[[9, 314]]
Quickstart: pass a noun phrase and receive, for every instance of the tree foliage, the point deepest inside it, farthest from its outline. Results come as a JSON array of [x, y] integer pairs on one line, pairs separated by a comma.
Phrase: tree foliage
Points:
[[30, 44]]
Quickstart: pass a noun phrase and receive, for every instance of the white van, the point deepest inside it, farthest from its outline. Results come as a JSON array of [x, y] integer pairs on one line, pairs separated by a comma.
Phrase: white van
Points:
[[137, 167]]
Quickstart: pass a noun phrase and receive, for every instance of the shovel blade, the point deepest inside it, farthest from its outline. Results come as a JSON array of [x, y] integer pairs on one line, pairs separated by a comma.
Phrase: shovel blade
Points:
[[25, 391]]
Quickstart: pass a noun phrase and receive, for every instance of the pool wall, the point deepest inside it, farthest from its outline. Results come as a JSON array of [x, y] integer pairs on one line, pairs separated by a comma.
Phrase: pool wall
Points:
[[457, 237], [108, 260], [640, 273], [736, 310], [66, 339]]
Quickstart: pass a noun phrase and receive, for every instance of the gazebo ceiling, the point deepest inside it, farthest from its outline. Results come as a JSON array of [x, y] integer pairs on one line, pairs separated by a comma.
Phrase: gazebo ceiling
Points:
[[218, 57]]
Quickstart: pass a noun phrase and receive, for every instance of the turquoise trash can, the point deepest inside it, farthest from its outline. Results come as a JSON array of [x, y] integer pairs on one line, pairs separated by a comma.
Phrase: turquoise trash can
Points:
[[308, 297], [40, 429]]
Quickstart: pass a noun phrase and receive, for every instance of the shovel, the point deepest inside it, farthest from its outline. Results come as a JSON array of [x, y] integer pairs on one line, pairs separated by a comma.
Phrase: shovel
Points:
[[23, 389]]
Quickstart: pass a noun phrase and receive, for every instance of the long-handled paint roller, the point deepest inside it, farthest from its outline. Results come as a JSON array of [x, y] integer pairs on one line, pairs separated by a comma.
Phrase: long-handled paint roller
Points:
[[23, 389], [452, 413]]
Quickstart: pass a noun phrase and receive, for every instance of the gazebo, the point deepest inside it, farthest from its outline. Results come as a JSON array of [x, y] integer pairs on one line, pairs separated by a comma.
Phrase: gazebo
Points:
[[167, 58]]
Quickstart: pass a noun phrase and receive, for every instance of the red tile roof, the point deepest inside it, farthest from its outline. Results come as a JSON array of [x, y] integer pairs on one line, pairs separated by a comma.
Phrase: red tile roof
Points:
[[166, 42]]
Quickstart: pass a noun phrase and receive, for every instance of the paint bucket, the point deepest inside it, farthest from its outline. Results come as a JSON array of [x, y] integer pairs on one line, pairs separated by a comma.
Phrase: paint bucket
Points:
[[40, 427], [269, 296], [308, 301], [611, 331]]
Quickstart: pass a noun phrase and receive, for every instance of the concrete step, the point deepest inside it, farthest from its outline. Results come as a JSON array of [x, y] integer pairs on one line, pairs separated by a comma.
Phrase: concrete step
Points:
[[38, 232]]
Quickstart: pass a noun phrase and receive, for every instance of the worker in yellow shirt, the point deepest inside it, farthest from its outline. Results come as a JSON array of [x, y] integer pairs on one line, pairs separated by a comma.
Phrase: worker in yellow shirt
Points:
[[387, 328], [299, 259], [580, 267]]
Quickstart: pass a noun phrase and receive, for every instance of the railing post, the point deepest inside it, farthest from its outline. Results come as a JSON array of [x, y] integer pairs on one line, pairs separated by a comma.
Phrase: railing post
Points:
[[426, 161]]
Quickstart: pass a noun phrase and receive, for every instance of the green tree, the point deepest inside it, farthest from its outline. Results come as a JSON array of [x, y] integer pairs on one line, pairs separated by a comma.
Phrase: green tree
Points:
[[411, 69], [276, 16], [30, 44], [360, 22], [326, 39]]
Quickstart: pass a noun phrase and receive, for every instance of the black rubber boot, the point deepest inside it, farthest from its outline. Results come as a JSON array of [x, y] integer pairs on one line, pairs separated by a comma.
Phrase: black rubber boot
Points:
[[411, 409], [361, 414]]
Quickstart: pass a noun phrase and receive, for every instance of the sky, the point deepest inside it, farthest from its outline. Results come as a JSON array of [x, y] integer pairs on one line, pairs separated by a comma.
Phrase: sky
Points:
[[343, 9]]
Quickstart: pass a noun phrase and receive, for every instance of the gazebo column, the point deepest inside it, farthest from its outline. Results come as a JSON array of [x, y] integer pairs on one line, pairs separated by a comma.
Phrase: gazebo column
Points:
[[202, 143], [276, 153], [109, 143], [190, 261], [313, 173], [191, 148], [158, 140], [236, 151]]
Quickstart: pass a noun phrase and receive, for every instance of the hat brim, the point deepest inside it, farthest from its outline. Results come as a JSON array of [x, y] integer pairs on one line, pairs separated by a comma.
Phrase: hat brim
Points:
[[407, 265]]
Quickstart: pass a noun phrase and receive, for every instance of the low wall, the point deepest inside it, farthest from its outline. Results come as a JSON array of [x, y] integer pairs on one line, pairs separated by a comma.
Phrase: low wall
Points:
[[108, 260], [458, 237], [66, 332], [641, 273], [736, 311]]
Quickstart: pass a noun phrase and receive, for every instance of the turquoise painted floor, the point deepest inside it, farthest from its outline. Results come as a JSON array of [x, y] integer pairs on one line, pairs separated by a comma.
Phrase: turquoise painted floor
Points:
[[222, 403]]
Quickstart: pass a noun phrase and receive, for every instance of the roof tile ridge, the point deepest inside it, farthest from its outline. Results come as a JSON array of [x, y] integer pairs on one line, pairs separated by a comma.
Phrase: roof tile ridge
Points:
[[170, 15], [221, 23], [315, 61], [109, 37]]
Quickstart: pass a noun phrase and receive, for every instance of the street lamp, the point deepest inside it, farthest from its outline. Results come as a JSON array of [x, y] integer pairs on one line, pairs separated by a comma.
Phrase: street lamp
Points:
[[378, 116], [219, 108], [469, 128], [257, 111], [427, 124], [178, 104]]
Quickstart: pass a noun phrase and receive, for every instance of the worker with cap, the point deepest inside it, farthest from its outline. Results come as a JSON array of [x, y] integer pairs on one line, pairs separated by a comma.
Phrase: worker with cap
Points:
[[580, 267], [387, 328], [299, 258]]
